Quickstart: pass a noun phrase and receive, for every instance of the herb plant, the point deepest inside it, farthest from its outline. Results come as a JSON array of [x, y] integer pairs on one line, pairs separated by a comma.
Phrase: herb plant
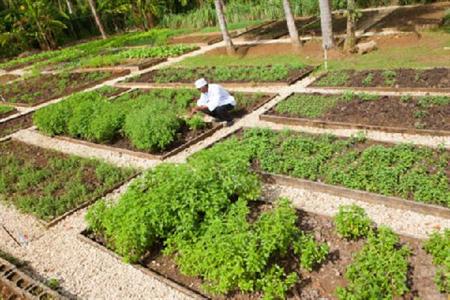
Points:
[[352, 222], [438, 245]]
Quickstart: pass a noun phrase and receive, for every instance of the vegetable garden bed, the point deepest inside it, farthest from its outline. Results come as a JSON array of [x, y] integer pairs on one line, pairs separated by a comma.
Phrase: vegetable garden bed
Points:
[[15, 284], [147, 124], [405, 80], [404, 172], [6, 111], [22, 121], [132, 65], [412, 115], [51, 185], [45, 87], [234, 75]]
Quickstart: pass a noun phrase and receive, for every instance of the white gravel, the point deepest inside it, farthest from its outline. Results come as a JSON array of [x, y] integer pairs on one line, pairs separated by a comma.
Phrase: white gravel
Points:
[[401, 221]]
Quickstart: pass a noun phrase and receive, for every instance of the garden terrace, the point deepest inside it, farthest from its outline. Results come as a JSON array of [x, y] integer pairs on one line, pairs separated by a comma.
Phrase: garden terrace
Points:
[[270, 74], [243, 249], [41, 88], [406, 114], [437, 79], [48, 184], [152, 123], [414, 173]]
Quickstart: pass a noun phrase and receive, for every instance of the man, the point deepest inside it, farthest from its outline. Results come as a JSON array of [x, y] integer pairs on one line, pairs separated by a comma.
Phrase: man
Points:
[[214, 101]]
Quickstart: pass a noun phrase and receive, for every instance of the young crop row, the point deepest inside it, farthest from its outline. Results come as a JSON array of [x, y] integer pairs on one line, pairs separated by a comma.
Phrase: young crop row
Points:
[[152, 37], [227, 73], [122, 56], [151, 121], [41, 87], [201, 211], [405, 171], [5, 109], [48, 184]]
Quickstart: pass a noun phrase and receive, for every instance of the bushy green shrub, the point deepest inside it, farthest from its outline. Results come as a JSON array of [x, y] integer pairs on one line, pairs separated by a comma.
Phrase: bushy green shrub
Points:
[[379, 270], [438, 245], [106, 123], [352, 222], [52, 119], [152, 128], [196, 123]]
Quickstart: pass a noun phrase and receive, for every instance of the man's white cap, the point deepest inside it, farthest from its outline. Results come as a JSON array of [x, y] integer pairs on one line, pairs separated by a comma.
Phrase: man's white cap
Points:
[[200, 83]]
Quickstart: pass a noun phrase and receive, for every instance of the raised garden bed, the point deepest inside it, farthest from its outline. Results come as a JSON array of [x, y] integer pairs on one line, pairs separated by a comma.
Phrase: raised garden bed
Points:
[[6, 111], [414, 115], [45, 87], [15, 284], [132, 64], [22, 121], [320, 282], [48, 184], [148, 124], [404, 80], [403, 171], [232, 75]]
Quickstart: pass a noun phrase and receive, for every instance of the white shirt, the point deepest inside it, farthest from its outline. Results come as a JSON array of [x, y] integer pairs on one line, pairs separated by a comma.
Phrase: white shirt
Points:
[[215, 97]]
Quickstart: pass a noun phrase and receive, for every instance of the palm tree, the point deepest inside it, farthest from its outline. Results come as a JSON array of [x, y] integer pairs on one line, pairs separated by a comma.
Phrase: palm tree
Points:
[[326, 24], [350, 39], [223, 27], [293, 32], [97, 19]]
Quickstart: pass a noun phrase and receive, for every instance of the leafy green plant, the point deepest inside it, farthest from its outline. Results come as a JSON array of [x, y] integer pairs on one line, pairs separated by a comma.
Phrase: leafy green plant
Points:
[[352, 222], [438, 245], [334, 79], [152, 128], [379, 270], [406, 98], [196, 123], [310, 252], [53, 283], [389, 77], [6, 109], [368, 80]]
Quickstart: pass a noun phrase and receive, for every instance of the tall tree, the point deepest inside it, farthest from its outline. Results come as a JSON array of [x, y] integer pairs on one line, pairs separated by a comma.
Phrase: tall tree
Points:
[[350, 39], [223, 27], [326, 24], [97, 19], [293, 32]]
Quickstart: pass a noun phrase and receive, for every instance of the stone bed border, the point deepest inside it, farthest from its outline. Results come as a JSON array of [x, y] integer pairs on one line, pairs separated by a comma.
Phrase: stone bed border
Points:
[[12, 277], [340, 191], [56, 220], [147, 271]]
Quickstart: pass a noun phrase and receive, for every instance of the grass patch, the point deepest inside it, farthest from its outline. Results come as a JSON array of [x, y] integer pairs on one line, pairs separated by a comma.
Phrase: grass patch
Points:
[[47, 184], [5, 109]]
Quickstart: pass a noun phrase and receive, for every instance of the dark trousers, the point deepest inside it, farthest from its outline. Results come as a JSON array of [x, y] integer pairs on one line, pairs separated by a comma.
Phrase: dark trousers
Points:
[[222, 113]]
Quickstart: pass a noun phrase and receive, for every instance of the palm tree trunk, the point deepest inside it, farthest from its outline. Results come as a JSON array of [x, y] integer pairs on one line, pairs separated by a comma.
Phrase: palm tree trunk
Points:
[[223, 27], [326, 24], [293, 32], [97, 19], [350, 39]]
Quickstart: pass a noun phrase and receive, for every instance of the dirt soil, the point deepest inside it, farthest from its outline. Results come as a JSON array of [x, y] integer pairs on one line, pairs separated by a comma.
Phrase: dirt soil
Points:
[[206, 38], [323, 280], [293, 75], [45, 87], [7, 77], [404, 78], [386, 111], [16, 124], [413, 18]]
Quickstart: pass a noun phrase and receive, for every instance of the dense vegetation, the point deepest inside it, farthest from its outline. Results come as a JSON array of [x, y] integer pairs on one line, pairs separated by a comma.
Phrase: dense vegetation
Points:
[[415, 173], [202, 212], [438, 245], [48, 184], [226, 73], [150, 120], [352, 222], [5, 109]]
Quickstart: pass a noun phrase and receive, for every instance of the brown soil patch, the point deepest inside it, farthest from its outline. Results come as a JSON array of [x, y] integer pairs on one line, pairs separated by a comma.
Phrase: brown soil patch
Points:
[[16, 124], [46, 87], [413, 18], [206, 38], [386, 111], [311, 49], [7, 77]]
